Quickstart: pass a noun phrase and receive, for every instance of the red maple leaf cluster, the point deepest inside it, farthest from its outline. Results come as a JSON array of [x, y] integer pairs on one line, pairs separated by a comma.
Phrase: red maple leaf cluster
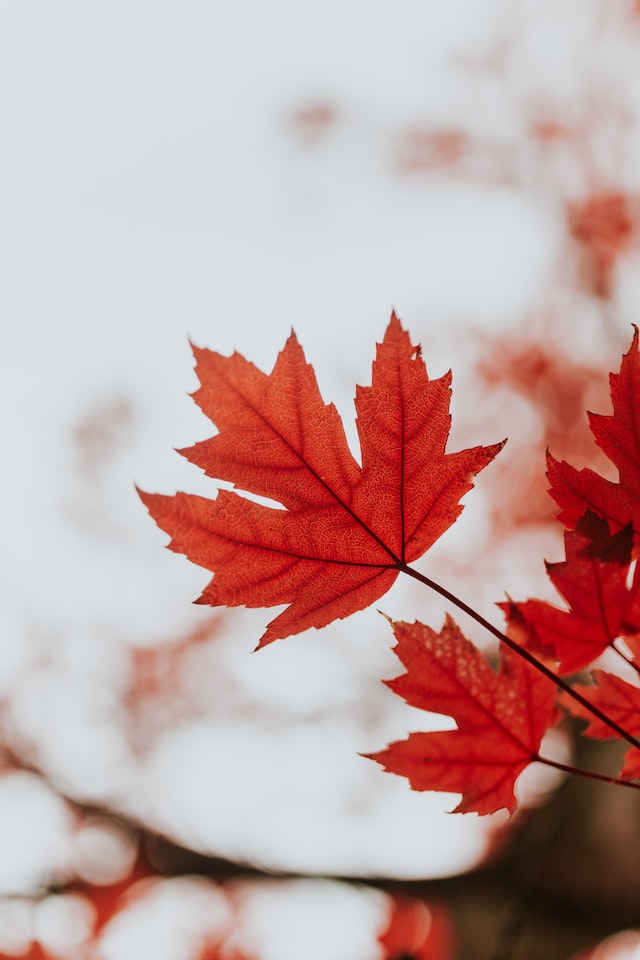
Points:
[[344, 532]]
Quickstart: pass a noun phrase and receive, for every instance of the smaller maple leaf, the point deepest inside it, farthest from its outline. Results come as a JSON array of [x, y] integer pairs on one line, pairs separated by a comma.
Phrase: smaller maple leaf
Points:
[[593, 581], [618, 436], [346, 530], [620, 701], [501, 717]]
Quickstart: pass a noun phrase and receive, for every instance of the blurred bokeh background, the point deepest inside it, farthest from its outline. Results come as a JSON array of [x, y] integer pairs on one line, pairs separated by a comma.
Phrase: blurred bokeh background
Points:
[[221, 172]]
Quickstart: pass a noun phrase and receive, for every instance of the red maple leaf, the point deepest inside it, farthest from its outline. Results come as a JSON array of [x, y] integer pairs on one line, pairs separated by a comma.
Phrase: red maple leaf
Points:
[[501, 717], [593, 581], [618, 435], [621, 702], [346, 530]]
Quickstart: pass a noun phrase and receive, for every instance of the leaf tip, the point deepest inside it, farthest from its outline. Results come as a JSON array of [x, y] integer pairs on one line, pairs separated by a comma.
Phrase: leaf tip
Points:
[[377, 756], [551, 460], [144, 496], [495, 448]]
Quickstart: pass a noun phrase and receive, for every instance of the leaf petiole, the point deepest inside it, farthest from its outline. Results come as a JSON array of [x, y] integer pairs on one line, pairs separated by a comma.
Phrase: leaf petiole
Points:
[[526, 655], [579, 771]]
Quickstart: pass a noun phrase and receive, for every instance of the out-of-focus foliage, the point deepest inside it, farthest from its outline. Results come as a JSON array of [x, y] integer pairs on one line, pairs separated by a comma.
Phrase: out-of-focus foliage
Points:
[[82, 880]]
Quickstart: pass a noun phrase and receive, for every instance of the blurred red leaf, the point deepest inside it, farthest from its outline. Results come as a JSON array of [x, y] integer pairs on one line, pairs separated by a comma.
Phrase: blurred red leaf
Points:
[[158, 692], [417, 931], [556, 387], [548, 129], [433, 149], [155, 671], [35, 952], [576, 491], [603, 227], [97, 435], [313, 121], [108, 899], [347, 530], [217, 950]]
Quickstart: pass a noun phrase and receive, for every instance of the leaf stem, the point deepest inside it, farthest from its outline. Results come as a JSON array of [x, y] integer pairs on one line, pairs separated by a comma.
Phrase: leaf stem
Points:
[[522, 652], [578, 771]]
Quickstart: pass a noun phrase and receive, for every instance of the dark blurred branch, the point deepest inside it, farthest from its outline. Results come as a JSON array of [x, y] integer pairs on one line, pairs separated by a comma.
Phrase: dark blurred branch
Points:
[[569, 873]]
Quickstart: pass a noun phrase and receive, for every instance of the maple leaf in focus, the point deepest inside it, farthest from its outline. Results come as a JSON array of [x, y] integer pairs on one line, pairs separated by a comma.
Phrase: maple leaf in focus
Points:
[[618, 436], [621, 702], [501, 717], [346, 530], [593, 581]]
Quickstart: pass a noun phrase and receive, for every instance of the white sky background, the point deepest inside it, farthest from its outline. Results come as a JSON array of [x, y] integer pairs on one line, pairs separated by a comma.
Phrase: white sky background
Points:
[[154, 188]]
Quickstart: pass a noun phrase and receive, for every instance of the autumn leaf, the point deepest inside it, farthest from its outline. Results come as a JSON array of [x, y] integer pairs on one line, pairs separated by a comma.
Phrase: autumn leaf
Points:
[[618, 436], [501, 717], [346, 529], [621, 702], [593, 581]]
